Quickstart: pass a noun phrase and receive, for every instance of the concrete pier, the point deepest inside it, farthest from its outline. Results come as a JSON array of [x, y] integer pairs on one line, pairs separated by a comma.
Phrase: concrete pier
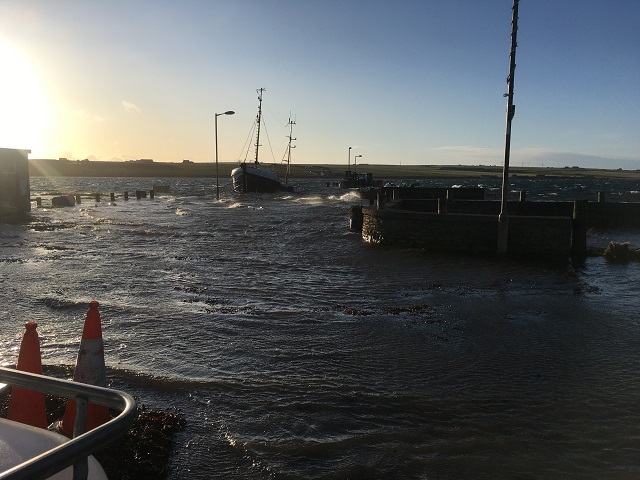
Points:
[[544, 230]]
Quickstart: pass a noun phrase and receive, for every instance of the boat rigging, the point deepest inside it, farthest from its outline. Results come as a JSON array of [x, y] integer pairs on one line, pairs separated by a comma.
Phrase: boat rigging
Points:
[[288, 150]]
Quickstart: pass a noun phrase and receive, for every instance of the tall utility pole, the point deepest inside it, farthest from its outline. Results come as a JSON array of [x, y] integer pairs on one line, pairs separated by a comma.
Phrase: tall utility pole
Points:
[[503, 220]]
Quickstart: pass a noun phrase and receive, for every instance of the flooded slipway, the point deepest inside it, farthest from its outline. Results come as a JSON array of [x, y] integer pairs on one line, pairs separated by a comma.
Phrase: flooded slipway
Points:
[[295, 351]]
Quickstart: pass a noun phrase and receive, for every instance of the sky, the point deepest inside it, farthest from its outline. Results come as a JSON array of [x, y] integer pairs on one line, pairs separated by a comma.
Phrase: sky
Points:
[[401, 82]]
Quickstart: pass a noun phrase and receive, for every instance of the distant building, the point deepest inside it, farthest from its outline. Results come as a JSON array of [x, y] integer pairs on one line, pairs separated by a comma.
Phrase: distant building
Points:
[[145, 160], [15, 190], [187, 161]]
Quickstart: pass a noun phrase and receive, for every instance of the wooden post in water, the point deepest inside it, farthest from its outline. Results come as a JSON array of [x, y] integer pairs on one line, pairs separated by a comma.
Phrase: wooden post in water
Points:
[[39, 201], [601, 197], [126, 195], [523, 196], [97, 197], [113, 197], [355, 218], [503, 220], [78, 199]]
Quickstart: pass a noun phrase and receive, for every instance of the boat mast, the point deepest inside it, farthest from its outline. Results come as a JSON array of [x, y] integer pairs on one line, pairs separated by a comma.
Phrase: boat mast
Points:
[[258, 120], [286, 178]]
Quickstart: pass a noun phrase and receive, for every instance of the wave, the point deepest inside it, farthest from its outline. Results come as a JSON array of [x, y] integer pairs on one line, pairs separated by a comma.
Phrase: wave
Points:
[[62, 303], [346, 197], [124, 378]]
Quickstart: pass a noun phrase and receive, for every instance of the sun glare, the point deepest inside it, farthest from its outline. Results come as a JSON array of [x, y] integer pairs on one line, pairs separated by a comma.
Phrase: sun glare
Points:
[[25, 111]]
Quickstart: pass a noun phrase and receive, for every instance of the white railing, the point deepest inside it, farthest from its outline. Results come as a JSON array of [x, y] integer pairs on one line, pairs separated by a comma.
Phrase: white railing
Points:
[[75, 451]]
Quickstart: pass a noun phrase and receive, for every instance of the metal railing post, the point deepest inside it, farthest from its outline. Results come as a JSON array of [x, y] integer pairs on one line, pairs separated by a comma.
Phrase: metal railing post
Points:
[[75, 451]]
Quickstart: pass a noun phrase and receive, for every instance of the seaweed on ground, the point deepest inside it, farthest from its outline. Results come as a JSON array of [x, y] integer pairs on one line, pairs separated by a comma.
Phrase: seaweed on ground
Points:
[[621, 252], [144, 451]]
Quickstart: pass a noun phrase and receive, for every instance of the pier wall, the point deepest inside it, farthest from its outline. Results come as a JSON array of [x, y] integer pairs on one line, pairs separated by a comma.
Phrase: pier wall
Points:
[[613, 214], [598, 214], [462, 193], [548, 237]]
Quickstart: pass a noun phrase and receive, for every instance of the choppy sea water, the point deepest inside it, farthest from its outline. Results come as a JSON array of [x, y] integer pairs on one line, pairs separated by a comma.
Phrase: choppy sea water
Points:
[[296, 351]]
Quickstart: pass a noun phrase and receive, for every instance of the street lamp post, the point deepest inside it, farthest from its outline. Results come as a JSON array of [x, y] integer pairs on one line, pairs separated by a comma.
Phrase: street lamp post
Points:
[[349, 160], [355, 162], [228, 112]]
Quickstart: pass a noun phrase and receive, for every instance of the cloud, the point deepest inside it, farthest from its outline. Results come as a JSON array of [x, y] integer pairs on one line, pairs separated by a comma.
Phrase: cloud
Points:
[[532, 156], [467, 154], [465, 149], [553, 158], [130, 106], [89, 116]]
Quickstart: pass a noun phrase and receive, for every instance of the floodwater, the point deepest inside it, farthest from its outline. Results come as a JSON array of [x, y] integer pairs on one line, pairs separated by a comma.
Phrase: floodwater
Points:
[[296, 351]]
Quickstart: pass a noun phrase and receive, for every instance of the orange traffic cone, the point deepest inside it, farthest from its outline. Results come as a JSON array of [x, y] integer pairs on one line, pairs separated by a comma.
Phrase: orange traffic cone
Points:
[[90, 369], [27, 406]]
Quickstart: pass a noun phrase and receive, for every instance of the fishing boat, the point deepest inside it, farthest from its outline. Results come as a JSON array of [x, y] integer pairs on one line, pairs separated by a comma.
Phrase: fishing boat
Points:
[[252, 176]]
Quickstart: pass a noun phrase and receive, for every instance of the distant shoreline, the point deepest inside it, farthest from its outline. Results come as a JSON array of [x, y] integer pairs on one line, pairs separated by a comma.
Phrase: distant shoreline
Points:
[[85, 168]]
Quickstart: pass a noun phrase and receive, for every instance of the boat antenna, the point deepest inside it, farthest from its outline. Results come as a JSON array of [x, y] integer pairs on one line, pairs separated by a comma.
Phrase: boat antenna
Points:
[[291, 124], [258, 119]]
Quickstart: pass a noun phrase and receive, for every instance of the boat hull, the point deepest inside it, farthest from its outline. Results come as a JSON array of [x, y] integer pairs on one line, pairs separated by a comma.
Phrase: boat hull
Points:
[[249, 178]]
